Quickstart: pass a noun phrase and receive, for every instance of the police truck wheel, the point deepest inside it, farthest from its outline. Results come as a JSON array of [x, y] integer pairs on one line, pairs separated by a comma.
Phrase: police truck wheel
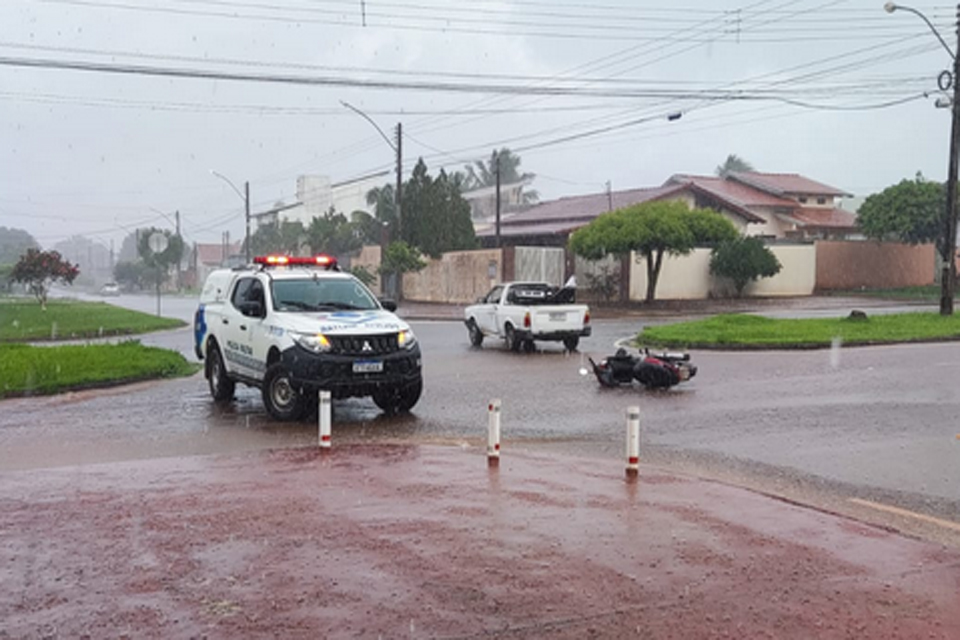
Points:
[[398, 399], [221, 386], [282, 400]]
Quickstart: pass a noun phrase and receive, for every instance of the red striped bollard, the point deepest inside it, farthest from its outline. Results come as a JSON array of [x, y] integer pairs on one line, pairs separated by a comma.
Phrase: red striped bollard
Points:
[[493, 433], [324, 415], [633, 442]]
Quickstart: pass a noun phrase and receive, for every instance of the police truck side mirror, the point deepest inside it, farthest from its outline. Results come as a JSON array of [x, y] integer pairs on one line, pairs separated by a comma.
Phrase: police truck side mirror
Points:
[[388, 304]]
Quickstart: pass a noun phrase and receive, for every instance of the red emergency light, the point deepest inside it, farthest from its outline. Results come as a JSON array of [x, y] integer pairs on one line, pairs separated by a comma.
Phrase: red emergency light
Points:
[[322, 260]]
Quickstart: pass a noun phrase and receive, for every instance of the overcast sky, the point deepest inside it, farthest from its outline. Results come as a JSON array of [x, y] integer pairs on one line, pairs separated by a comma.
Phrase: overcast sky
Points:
[[791, 86]]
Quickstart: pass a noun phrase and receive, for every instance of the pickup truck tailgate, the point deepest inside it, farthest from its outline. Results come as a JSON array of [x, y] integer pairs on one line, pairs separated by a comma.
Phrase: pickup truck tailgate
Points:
[[550, 319]]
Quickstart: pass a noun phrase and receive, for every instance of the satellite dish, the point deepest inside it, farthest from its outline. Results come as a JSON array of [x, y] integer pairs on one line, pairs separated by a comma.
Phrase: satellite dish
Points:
[[158, 242]]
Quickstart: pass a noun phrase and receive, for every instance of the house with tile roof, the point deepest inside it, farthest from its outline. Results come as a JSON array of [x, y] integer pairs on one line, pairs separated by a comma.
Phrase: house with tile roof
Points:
[[791, 205], [759, 204]]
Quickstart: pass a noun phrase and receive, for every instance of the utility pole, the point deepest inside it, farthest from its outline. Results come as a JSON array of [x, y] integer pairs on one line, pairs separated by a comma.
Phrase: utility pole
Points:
[[246, 202], [497, 169], [180, 242], [609, 197], [399, 148], [948, 277]]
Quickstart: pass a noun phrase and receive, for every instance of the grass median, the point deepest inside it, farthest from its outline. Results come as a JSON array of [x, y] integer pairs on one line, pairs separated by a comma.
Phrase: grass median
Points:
[[739, 331], [23, 320], [28, 370]]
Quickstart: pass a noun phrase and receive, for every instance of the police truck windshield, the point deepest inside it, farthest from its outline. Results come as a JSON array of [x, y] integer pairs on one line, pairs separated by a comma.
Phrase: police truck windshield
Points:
[[316, 294]]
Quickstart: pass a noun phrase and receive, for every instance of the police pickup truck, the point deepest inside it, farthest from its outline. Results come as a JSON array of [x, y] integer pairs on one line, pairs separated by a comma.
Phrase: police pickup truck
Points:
[[291, 326]]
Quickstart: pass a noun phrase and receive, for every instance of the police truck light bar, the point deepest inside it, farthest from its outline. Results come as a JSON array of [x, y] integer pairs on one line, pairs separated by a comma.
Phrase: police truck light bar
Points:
[[289, 261]]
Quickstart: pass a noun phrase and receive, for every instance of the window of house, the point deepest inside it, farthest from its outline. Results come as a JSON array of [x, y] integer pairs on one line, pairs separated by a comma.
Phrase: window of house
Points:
[[821, 200], [803, 199]]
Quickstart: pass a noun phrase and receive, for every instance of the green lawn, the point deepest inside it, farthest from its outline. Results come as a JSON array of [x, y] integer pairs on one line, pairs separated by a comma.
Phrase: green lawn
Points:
[[29, 370], [23, 320], [748, 331]]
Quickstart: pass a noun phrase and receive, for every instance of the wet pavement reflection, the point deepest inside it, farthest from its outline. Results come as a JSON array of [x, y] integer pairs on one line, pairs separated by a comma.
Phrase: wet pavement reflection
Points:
[[879, 423]]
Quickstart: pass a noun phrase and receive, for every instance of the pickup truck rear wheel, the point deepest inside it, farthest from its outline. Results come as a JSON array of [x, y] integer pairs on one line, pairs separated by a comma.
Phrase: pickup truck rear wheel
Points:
[[513, 342], [476, 336], [221, 386], [571, 343], [282, 400]]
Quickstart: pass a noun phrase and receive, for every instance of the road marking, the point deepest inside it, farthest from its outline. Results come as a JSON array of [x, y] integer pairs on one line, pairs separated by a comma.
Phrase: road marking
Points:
[[947, 524]]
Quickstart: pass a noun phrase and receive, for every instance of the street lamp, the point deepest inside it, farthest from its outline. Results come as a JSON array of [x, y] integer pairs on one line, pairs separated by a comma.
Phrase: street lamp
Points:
[[397, 148], [245, 196], [948, 276]]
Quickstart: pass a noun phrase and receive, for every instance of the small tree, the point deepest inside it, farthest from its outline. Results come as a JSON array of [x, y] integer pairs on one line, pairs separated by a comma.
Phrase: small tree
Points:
[[743, 260], [651, 229], [910, 211], [165, 259], [400, 258], [38, 270]]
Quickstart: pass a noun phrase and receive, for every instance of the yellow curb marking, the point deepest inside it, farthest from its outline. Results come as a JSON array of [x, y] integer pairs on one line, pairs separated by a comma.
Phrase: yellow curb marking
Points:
[[908, 514]]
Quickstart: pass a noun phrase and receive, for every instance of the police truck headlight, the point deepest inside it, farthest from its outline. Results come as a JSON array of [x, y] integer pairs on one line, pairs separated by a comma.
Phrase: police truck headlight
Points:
[[316, 342], [406, 339]]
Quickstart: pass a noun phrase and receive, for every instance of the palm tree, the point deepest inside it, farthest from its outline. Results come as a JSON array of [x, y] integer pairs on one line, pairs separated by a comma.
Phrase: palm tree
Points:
[[733, 164], [383, 201], [484, 173]]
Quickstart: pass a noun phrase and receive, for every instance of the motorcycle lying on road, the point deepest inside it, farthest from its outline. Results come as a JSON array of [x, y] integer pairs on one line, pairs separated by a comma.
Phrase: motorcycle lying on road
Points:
[[652, 370]]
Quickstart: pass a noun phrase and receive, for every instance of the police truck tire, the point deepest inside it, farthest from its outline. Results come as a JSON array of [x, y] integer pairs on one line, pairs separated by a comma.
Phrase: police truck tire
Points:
[[221, 386], [282, 400], [398, 399]]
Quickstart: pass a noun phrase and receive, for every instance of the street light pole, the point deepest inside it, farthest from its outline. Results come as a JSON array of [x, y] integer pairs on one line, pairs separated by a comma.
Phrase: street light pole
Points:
[[245, 196], [948, 248], [246, 207]]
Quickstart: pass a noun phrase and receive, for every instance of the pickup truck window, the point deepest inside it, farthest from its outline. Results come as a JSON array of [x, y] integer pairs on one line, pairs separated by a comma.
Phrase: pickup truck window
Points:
[[531, 294], [247, 290], [317, 294], [494, 296]]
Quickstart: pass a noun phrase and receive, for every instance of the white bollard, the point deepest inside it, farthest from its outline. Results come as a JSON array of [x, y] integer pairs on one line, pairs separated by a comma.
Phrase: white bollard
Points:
[[324, 414], [633, 442], [493, 433]]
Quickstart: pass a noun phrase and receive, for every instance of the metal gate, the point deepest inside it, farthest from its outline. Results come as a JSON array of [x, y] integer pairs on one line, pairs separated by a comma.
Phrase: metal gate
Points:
[[540, 264]]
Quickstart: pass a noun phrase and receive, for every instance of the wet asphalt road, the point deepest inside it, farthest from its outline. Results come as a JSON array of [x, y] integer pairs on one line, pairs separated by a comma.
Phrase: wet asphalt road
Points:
[[881, 425]]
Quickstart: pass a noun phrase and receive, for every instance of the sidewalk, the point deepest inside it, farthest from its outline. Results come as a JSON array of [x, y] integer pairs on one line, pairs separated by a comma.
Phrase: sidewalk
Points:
[[412, 310], [424, 542]]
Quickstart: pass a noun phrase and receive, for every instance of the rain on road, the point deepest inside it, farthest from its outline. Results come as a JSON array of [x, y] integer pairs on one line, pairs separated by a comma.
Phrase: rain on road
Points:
[[881, 426]]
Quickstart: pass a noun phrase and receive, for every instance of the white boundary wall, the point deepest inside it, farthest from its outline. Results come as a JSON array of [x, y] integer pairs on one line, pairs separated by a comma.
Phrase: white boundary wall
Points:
[[688, 277]]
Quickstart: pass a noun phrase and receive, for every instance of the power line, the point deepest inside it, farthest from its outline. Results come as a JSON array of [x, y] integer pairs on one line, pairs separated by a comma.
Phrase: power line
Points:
[[446, 26]]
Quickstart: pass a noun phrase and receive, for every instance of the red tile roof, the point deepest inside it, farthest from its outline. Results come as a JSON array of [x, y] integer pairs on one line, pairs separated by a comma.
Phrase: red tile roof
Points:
[[780, 184], [827, 218], [733, 192], [584, 208], [210, 254]]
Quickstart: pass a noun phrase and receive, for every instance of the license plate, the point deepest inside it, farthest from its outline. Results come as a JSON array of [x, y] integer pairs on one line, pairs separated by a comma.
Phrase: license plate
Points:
[[558, 316], [367, 366]]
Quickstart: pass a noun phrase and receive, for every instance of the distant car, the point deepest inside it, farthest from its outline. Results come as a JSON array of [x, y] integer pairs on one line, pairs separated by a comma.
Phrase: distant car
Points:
[[110, 289]]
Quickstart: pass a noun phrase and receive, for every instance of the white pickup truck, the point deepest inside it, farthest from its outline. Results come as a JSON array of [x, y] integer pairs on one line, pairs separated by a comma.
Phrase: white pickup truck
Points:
[[522, 312]]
